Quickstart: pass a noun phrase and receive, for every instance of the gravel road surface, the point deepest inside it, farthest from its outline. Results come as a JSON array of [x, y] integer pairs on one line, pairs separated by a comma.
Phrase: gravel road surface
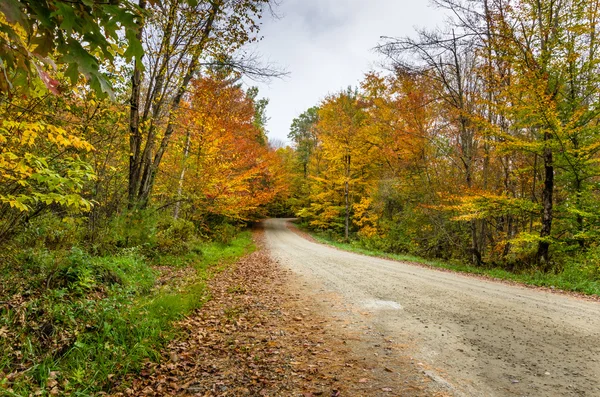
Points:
[[470, 336]]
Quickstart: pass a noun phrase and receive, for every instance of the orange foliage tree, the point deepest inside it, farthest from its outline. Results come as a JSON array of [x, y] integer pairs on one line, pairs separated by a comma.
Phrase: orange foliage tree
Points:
[[220, 168]]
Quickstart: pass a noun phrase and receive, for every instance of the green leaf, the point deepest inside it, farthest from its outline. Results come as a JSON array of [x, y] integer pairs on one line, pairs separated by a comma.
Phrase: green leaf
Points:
[[68, 17], [72, 73], [42, 14], [135, 48]]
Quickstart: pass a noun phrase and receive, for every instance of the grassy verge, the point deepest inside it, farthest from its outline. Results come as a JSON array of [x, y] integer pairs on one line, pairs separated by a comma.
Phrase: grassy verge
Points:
[[101, 317], [572, 278]]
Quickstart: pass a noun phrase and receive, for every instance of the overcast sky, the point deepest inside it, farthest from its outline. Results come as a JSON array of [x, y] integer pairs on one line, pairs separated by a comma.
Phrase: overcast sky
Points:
[[327, 45]]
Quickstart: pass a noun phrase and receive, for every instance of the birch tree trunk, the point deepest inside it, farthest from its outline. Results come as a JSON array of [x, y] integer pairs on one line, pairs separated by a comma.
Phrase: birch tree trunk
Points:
[[186, 153]]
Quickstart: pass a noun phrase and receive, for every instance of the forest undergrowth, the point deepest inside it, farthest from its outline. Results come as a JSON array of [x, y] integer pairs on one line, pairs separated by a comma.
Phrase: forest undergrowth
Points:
[[75, 321]]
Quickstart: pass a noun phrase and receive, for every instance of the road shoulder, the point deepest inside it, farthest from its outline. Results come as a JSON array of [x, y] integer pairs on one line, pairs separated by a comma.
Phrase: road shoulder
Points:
[[573, 294]]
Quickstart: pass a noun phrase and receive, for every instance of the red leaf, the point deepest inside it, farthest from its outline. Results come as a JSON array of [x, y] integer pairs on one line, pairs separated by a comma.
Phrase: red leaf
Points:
[[48, 81]]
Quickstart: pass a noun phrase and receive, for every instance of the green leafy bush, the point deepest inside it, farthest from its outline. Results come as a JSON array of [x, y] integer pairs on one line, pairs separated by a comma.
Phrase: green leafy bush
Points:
[[130, 229], [52, 232], [174, 236], [225, 233]]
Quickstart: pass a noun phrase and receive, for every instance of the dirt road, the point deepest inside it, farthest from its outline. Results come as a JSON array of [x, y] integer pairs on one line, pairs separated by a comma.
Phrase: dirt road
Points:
[[472, 337]]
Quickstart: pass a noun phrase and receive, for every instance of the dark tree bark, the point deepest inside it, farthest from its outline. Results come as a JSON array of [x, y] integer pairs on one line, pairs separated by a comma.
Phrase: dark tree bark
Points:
[[144, 164], [347, 199], [135, 136], [543, 254]]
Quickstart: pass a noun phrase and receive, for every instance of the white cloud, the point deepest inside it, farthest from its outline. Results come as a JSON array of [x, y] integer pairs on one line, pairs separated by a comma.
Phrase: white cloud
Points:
[[326, 45]]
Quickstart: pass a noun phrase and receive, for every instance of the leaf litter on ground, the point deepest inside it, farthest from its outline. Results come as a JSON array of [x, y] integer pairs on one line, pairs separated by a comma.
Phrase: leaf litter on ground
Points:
[[256, 337]]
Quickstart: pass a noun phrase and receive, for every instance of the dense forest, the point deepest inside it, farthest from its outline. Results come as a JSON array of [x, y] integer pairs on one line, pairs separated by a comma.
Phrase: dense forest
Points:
[[480, 145], [133, 157], [131, 154]]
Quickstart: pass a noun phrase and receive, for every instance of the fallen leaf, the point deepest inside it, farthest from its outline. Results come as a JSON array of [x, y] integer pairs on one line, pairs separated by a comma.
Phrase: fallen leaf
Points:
[[244, 344]]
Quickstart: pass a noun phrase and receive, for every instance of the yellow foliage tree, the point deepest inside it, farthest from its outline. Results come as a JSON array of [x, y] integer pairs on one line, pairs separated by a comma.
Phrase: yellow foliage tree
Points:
[[347, 169]]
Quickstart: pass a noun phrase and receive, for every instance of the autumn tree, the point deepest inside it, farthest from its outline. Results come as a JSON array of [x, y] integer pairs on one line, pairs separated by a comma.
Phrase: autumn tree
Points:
[[517, 94], [304, 135], [482, 138], [221, 168], [553, 53], [449, 62], [78, 252], [344, 152], [181, 40], [37, 37]]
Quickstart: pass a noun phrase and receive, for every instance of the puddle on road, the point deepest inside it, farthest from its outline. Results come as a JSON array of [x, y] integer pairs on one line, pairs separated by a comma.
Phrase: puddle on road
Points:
[[376, 304]]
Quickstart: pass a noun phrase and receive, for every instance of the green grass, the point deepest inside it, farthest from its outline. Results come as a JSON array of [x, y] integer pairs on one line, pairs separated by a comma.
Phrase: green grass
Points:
[[127, 323], [572, 278]]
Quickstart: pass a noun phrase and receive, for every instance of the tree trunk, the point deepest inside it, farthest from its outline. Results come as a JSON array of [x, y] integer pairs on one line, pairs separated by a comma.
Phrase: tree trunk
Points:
[[543, 257], [347, 199], [186, 152], [467, 144], [151, 167], [142, 179], [580, 223], [135, 136]]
